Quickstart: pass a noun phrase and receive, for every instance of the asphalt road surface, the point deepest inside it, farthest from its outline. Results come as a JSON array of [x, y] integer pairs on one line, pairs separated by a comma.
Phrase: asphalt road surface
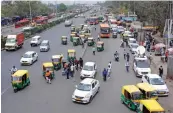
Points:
[[41, 97]]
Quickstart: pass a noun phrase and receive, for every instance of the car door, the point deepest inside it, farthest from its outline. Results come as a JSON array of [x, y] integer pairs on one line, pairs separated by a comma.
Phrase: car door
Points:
[[96, 86], [93, 89], [34, 56]]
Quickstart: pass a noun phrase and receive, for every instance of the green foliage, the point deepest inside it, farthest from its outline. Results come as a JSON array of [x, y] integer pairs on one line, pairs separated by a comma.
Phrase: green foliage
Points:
[[22, 8], [62, 7]]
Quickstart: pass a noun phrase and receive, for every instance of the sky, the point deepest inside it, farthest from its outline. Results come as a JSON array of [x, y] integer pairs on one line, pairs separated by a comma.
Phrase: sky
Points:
[[70, 2]]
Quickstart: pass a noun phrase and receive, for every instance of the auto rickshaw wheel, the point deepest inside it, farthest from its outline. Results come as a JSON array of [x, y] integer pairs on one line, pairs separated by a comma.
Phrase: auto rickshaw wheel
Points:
[[28, 83], [122, 101], [15, 90]]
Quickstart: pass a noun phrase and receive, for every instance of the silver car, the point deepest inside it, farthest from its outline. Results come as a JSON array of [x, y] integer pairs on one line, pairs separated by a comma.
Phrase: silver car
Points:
[[44, 47]]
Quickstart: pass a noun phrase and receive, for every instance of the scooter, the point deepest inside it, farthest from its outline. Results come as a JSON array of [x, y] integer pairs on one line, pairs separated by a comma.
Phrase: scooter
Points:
[[116, 58]]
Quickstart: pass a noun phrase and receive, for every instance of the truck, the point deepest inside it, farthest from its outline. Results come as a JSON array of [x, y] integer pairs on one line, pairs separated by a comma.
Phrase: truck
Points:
[[13, 42]]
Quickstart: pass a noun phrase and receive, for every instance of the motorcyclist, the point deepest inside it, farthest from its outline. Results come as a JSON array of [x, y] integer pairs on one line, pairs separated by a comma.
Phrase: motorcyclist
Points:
[[94, 50], [48, 75], [116, 55], [13, 70]]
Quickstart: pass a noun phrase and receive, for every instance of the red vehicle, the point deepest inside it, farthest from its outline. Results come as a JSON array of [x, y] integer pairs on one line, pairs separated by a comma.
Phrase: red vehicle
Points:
[[93, 20], [104, 30], [51, 16], [42, 20], [13, 42], [22, 23]]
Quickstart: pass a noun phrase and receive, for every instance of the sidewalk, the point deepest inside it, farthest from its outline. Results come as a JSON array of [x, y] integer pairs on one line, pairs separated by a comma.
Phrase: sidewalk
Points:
[[166, 102]]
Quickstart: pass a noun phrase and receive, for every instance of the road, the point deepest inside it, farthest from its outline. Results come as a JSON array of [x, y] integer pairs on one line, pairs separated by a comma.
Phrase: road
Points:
[[41, 97]]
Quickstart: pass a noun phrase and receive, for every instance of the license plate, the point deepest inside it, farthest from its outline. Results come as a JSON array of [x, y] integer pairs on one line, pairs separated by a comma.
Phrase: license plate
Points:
[[78, 99], [161, 92]]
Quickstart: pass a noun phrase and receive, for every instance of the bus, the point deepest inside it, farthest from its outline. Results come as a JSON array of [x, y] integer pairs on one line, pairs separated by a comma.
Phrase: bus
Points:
[[104, 30], [93, 20]]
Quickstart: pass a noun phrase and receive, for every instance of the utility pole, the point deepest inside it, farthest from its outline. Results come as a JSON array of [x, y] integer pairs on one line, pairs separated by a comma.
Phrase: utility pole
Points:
[[30, 11]]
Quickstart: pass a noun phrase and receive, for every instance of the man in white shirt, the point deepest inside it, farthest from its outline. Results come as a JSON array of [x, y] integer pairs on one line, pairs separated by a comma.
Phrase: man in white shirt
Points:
[[109, 68]]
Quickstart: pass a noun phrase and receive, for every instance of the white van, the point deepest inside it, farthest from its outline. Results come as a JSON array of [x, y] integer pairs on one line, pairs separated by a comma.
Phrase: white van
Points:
[[35, 41]]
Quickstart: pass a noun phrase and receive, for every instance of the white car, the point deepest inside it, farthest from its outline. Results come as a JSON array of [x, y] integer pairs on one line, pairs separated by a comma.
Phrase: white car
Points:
[[86, 90], [35, 41], [131, 41], [157, 82], [68, 23], [76, 16], [141, 67], [29, 58], [89, 70], [133, 48]]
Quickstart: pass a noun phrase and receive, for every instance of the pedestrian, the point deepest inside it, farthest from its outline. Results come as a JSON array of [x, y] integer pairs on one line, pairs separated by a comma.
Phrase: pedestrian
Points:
[[150, 58], [166, 56], [67, 72], [161, 71], [109, 68], [124, 54], [98, 38], [81, 63], [127, 57], [72, 70], [127, 66], [104, 74], [76, 64], [94, 50], [95, 28]]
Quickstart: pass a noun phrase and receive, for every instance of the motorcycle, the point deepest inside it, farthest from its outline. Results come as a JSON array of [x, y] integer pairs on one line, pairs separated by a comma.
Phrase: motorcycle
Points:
[[116, 58]]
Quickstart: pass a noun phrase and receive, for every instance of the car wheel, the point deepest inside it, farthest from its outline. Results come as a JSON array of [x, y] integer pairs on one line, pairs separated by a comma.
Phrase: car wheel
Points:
[[36, 58], [15, 90], [98, 89], [31, 62], [90, 99]]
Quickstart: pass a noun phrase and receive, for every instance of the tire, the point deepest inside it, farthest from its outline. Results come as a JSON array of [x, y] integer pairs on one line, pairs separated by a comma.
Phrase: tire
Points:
[[98, 90], [31, 62], [15, 90], [122, 101], [91, 98]]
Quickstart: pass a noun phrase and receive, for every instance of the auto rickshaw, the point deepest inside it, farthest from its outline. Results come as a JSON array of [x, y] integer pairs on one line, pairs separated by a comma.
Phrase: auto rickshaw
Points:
[[20, 79], [100, 46], [71, 55], [71, 37], [148, 91], [90, 41], [48, 66], [72, 29], [64, 40], [76, 41], [130, 96], [56, 61], [149, 106]]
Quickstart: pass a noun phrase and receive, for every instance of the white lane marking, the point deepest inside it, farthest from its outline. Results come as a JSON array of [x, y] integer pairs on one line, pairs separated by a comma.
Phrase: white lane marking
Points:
[[5, 90]]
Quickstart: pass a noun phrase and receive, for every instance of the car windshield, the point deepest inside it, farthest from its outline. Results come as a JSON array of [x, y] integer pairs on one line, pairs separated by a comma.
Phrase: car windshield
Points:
[[142, 64], [105, 30], [43, 44], [16, 78], [157, 81], [27, 56], [132, 41], [10, 40], [136, 96], [134, 46], [88, 68], [34, 39], [84, 87]]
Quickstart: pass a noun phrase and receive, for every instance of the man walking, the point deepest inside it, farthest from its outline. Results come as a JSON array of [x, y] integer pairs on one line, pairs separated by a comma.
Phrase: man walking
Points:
[[124, 54], [161, 71], [81, 62], [109, 68], [127, 66], [127, 57]]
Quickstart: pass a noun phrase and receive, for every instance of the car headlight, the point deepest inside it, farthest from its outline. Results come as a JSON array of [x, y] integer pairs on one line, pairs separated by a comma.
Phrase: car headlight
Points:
[[87, 96]]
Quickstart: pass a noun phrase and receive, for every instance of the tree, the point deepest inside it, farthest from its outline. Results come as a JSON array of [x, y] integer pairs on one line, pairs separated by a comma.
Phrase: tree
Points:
[[62, 7]]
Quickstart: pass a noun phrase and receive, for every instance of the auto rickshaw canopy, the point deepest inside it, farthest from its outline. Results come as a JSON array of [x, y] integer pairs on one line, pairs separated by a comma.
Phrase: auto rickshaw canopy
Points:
[[56, 56], [82, 36], [145, 86], [20, 73], [73, 35], [64, 37], [90, 38], [152, 105], [100, 43], [48, 64], [131, 88], [71, 51]]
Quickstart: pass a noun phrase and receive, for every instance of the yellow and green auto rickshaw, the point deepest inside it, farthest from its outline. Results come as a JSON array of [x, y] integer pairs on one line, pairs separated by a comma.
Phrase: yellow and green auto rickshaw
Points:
[[149, 106], [48, 66], [76, 41], [71, 37], [90, 41], [71, 55], [64, 40], [56, 61], [20, 79], [100, 46], [148, 91], [73, 29], [130, 96]]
